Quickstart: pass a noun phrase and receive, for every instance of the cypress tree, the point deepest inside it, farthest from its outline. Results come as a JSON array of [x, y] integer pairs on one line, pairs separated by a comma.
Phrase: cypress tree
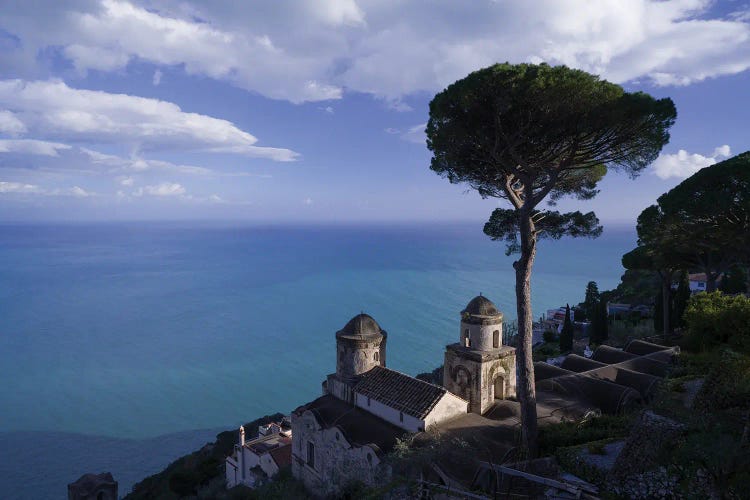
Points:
[[566, 336]]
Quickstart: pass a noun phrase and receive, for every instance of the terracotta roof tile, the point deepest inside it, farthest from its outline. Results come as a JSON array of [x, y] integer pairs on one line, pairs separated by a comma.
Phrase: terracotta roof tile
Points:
[[404, 393]]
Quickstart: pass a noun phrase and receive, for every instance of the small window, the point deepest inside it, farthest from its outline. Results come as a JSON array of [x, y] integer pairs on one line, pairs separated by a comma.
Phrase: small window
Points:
[[496, 339], [376, 356], [369, 458], [368, 400], [311, 454], [337, 436], [400, 416]]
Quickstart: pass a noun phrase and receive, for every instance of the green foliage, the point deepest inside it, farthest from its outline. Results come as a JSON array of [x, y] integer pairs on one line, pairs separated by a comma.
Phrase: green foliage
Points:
[[522, 123], [546, 350], [717, 452], [549, 336], [554, 436], [284, 486], [591, 299], [566, 335], [680, 301], [727, 385], [503, 225], [637, 286], [659, 313], [714, 318], [599, 323], [734, 281]]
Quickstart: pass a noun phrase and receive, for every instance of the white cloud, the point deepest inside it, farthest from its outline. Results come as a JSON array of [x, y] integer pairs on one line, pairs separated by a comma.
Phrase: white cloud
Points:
[[10, 124], [157, 78], [683, 164], [308, 201], [79, 192], [31, 146], [391, 130], [18, 187], [415, 134], [163, 189], [310, 50], [23, 188], [126, 181], [52, 109], [327, 109]]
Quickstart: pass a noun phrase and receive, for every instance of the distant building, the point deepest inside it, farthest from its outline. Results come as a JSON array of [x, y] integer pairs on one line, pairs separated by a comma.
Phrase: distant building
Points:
[[254, 462], [345, 434], [93, 487]]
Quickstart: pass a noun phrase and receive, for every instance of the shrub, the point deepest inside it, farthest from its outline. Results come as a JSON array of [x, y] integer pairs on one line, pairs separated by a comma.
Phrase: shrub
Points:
[[549, 336], [714, 318], [555, 436], [727, 384]]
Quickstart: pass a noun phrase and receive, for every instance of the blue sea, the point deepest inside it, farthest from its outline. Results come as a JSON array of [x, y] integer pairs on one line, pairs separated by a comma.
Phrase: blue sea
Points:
[[126, 345]]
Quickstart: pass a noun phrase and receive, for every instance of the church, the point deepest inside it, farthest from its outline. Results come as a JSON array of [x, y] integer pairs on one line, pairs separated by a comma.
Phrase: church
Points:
[[365, 407]]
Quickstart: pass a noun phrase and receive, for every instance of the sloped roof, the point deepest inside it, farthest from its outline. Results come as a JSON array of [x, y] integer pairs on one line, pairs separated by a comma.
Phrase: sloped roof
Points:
[[358, 426], [282, 455], [404, 393]]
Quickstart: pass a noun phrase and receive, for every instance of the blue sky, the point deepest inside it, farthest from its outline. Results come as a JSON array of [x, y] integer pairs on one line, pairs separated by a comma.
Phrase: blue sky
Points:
[[314, 110]]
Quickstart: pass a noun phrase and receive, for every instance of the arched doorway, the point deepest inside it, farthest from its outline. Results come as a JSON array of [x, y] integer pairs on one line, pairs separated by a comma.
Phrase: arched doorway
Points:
[[499, 387]]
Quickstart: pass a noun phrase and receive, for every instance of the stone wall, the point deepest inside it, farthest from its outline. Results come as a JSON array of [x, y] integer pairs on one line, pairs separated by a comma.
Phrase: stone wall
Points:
[[336, 462], [472, 375]]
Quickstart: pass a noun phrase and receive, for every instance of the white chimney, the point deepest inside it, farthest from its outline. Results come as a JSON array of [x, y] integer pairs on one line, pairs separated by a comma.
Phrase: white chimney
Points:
[[242, 436]]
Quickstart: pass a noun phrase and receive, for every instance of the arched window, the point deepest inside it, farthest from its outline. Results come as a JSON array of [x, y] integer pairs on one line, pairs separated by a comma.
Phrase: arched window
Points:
[[496, 339], [311, 454], [369, 458], [376, 356], [467, 338]]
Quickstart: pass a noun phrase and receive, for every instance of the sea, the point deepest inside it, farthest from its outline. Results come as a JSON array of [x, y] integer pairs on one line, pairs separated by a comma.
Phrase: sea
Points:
[[126, 345]]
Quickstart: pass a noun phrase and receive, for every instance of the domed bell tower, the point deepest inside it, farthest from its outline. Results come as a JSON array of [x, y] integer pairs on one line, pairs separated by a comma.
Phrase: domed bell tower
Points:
[[479, 368], [360, 346]]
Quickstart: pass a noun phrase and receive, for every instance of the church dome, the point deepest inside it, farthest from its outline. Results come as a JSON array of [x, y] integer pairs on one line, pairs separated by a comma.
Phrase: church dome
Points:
[[361, 325], [481, 306]]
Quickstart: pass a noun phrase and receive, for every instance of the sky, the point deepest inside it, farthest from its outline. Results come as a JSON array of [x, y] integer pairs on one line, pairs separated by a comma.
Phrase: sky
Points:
[[314, 110]]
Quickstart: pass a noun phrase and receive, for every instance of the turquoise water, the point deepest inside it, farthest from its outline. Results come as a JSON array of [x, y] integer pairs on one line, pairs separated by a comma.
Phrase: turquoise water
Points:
[[137, 331]]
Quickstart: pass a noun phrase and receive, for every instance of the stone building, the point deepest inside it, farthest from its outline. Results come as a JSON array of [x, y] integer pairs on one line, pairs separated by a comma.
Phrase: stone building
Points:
[[479, 368], [93, 487], [254, 462], [345, 434]]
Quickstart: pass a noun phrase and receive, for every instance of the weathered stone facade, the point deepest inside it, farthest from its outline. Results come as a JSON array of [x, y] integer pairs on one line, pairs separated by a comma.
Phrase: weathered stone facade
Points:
[[479, 368], [326, 458]]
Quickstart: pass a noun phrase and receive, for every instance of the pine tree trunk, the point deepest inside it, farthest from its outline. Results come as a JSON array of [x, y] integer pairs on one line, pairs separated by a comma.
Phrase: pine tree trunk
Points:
[[524, 362]]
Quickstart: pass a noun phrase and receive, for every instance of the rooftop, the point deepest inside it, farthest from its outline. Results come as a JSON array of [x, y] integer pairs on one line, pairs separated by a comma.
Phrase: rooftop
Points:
[[404, 393], [267, 443], [358, 426], [361, 325]]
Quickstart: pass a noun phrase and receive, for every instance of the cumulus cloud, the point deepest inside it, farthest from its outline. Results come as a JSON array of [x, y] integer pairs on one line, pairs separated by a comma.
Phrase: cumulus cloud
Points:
[[310, 50], [683, 164], [52, 109], [156, 80], [163, 189]]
